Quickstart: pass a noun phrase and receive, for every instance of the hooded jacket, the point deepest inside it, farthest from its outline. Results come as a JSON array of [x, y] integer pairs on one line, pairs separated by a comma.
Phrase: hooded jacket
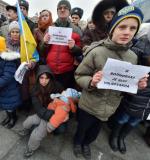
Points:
[[101, 27], [100, 102], [10, 97], [41, 110]]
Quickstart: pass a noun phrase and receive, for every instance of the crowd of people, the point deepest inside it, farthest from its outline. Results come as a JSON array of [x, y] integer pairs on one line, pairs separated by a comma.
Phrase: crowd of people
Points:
[[65, 78]]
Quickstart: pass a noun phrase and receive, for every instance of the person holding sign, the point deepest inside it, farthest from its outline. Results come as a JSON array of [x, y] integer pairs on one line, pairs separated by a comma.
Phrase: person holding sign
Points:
[[133, 107], [60, 58], [97, 105]]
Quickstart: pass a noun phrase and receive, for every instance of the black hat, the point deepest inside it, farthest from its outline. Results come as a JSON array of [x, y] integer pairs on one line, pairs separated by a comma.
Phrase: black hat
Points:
[[8, 7], [104, 5], [24, 3], [77, 11]]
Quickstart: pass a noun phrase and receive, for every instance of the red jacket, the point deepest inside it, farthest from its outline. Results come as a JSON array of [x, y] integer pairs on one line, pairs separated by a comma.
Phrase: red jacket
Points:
[[60, 58]]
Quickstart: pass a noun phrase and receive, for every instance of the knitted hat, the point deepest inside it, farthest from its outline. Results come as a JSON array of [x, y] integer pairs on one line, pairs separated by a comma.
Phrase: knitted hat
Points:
[[8, 7], [24, 3], [77, 11], [13, 24], [64, 2], [127, 12], [69, 92], [2, 44]]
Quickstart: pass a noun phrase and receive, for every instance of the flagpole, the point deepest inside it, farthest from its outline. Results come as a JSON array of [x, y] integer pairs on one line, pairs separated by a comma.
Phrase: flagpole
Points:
[[24, 38]]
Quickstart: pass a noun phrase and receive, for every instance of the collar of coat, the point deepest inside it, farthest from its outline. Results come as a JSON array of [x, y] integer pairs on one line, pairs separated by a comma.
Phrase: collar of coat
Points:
[[9, 56], [114, 46]]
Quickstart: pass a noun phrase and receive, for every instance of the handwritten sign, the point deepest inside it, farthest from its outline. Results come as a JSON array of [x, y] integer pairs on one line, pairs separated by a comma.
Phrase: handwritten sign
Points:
[[122, 76], [59, 35]]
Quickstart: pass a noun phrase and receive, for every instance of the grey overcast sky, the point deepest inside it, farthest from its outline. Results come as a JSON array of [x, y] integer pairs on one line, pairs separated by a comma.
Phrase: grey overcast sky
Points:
[[38, 5]]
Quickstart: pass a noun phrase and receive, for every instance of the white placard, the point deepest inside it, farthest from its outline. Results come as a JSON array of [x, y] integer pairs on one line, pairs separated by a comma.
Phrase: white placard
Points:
[[148, 118], [59, 35], [122, 76], [20, 72]]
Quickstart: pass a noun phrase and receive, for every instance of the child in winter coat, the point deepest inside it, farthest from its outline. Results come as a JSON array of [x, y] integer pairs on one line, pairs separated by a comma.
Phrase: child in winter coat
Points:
[[97, 105], [41, 99], [62, 105], [44, 86], [133, 108], [10, 97]]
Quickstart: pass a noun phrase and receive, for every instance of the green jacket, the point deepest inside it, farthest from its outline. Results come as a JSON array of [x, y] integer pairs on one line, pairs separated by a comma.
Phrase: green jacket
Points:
[[101, 103]]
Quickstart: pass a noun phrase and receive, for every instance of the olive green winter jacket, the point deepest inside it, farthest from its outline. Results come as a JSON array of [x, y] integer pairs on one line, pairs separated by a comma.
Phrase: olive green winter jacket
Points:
[[101, 103]]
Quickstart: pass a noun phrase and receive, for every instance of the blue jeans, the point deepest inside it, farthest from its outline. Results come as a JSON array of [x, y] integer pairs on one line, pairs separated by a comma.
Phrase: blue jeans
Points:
[[124, 117]]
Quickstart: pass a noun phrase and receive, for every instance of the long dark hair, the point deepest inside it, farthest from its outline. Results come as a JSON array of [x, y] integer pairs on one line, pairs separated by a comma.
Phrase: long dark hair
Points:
[[43, 93]]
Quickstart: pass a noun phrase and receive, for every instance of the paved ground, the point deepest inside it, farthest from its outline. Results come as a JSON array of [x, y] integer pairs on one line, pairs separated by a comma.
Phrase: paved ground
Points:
[[60, 147]]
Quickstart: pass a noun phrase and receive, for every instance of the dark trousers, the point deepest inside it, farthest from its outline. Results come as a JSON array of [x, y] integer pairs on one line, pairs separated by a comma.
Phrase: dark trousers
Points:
[[88, 128], [66, 79]]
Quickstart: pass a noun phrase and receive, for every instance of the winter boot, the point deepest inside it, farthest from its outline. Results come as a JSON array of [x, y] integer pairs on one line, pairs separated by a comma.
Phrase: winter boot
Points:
[[6, 120], [12, 120], [123, 133], [113, 139], [77, 150], [147, 136], [86, 152]]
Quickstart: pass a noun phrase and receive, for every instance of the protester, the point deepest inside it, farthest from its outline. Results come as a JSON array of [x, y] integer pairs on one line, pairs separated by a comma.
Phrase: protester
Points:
[[45, 20], [76, 15], [97, 105], [101, 17], [60, 58], [10, 97], [11, 12], [24, 6], [90, 24], [133, 108], [45, 85]]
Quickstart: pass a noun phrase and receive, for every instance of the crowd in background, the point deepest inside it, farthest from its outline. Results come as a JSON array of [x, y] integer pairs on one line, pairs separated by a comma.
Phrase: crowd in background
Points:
[[65, 77]]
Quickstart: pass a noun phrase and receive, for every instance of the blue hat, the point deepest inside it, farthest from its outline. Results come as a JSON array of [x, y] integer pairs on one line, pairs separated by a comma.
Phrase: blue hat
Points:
[[69, 92], [127, 12]]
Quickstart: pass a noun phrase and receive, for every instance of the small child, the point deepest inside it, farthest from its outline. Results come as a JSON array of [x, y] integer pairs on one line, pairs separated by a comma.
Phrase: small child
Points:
[[62, 105]]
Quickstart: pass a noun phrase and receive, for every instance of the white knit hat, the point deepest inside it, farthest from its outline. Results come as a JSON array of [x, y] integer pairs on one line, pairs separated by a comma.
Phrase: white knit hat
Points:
[[13, 25]]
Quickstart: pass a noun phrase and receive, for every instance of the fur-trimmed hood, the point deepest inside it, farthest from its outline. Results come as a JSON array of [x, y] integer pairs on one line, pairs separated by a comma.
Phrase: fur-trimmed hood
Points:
[[97, 16], [9, 56]]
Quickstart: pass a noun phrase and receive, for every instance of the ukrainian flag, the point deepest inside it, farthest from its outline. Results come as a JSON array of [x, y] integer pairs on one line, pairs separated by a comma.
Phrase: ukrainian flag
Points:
[[28, 44]]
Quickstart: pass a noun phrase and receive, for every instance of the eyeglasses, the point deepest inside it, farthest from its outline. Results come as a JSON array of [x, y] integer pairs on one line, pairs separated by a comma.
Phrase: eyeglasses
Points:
[[64, 8]]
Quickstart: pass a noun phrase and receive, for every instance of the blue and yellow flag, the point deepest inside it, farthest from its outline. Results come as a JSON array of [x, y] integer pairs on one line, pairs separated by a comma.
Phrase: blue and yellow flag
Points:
[[28, 44]]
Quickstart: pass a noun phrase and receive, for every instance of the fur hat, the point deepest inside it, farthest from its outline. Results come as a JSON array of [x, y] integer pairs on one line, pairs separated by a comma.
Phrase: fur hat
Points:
[[2, 44], [8, 7], [104, 5], [78, 11], [13, 24], [24, 3], [127, 12], [64, 2]]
